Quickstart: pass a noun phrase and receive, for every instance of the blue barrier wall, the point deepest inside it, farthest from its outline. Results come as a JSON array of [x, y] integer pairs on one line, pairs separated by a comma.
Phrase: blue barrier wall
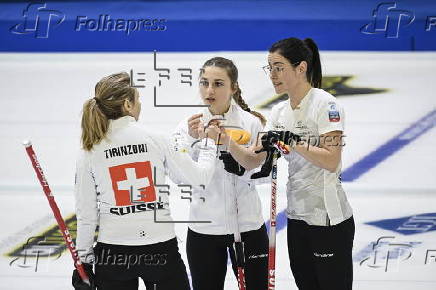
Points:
[[215, 25]]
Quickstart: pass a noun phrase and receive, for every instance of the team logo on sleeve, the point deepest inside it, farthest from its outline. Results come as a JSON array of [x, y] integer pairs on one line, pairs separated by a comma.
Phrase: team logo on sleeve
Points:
[[132, 183], [333, 113]]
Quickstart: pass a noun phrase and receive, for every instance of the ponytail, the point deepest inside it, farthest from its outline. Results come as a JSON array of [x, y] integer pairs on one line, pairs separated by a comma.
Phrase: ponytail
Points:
[[110, 95], [94, 124], [314, 71], [295, 51], [240, 101]]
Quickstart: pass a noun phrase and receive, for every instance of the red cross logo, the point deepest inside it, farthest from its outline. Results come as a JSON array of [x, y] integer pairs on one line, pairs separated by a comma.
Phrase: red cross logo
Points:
[[132, 183]]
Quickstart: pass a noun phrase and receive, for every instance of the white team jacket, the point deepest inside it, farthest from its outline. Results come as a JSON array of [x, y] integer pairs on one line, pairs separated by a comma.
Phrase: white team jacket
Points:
[[115, 190], [315, 195], [216, 204]]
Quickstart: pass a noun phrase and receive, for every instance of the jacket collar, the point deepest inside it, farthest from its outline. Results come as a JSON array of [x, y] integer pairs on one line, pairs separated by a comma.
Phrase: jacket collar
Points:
[[231, 116], [303, 101], [120, 122]]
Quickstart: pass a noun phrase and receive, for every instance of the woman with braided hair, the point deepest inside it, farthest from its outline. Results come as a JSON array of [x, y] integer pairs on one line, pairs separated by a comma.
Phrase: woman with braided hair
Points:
[[228, 211]]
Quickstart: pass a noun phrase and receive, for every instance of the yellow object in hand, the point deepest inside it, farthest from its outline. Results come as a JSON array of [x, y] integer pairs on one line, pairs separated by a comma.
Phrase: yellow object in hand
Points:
[[238, 135]]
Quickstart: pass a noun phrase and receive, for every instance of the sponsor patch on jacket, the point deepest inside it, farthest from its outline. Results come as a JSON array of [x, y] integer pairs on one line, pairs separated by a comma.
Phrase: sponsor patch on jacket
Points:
[[334, 116], [333, 112]]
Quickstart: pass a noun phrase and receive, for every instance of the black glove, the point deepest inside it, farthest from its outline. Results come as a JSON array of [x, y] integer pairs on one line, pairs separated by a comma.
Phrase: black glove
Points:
[[272, 137], [268, 140], [230, 164], [266, 168], [77, 282]]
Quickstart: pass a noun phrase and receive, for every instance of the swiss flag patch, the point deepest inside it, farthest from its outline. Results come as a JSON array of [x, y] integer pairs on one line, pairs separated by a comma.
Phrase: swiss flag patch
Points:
[[132, 183]]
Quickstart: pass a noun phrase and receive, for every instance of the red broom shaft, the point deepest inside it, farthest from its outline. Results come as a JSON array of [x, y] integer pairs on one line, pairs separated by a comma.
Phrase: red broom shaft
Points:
[[62, 226], [241, 278], [272, 229]]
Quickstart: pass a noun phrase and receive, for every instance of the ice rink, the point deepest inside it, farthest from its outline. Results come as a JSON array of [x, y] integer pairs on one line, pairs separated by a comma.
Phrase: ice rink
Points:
[[389, 160]]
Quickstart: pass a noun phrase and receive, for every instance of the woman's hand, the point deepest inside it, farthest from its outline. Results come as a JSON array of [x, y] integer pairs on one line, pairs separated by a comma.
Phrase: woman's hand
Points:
[[224, 138], [212, 132], [195, 125]]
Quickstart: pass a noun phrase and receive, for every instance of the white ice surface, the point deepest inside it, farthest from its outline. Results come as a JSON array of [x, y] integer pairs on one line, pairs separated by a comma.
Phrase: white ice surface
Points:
[[41, 97]]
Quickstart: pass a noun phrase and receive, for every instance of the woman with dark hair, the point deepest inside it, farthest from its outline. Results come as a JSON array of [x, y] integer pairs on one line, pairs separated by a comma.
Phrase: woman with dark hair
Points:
[[117, 169], [226, 216], [320, 219]]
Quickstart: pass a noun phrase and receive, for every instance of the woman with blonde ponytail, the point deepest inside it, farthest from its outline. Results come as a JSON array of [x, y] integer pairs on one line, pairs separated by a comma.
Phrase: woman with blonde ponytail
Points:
[[113, 99], [231, 206], [117, 170]]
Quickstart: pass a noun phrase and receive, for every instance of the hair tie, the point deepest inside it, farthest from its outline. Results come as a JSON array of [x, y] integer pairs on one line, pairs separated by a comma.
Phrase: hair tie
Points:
[[248, 109], [96, 100]]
